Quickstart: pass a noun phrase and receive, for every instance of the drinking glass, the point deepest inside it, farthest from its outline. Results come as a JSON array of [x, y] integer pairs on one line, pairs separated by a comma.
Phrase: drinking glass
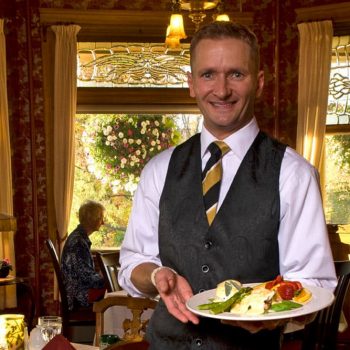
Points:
[[50, 326]]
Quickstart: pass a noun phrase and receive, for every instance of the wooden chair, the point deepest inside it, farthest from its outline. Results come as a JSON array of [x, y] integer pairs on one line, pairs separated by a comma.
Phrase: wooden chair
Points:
[[81, 318], [321, 334], [134, 329], [109, 265]]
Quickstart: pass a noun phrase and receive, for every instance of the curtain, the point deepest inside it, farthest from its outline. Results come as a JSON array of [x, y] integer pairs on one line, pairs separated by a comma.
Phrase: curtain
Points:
[[315, 52], [7, 250], [65, 97]]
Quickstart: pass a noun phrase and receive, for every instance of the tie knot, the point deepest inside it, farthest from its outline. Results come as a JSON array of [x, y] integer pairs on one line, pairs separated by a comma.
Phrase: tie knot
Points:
[[218, 148]]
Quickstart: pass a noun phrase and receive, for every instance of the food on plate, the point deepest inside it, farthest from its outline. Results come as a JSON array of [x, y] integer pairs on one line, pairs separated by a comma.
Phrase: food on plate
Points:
[[272, 296], [226, 289], [256, 303], [288, 290]]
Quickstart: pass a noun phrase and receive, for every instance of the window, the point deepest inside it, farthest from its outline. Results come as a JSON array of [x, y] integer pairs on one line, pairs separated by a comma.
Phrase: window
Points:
[[337, 142], [113, 147], [111, 150], [108, 64]]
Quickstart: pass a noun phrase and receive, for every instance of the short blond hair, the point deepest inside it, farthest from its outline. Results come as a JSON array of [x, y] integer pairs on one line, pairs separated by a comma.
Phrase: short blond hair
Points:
[[90, 213], [223, 30]]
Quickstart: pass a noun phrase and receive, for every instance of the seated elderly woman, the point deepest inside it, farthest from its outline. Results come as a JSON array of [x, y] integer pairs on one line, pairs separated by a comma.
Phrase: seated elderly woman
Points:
[[83, 283]]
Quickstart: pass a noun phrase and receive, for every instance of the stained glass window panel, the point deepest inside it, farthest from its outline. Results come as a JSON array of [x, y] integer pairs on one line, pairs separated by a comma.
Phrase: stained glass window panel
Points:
[[149, 65]]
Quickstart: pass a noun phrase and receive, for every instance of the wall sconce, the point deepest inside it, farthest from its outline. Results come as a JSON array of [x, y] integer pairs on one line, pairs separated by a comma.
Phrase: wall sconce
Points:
[[11, 331], [7, 223], [176, 31]]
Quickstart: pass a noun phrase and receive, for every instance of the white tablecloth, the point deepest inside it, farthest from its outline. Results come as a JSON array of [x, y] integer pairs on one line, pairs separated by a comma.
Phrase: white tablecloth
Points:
[[115, 315]]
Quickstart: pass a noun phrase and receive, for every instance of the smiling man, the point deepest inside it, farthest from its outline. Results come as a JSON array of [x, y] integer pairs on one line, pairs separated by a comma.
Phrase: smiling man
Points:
[[229, 203]]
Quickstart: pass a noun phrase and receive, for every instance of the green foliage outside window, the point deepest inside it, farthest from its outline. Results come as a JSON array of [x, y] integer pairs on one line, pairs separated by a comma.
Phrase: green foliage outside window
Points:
[[338, 175], [111, 151]]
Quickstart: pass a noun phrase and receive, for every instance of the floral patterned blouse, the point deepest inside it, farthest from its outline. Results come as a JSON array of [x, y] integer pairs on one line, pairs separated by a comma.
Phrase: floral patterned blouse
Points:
[[78, 268]]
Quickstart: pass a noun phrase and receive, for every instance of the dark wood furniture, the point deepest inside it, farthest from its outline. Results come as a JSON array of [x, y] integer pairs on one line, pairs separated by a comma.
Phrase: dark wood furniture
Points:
[[109, 266], [322, 333], [25, 299], [77, 318]]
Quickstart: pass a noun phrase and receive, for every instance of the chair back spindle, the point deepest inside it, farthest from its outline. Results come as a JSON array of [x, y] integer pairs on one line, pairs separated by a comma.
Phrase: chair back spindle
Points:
[[321, 334], [109, 266], [135, 327]]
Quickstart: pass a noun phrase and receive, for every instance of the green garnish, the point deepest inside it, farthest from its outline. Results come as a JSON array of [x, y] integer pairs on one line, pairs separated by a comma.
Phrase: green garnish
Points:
[[228, 288], [285, 306]]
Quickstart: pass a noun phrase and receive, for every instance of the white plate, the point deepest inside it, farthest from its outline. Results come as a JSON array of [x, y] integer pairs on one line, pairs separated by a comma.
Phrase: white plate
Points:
[[321, 298]]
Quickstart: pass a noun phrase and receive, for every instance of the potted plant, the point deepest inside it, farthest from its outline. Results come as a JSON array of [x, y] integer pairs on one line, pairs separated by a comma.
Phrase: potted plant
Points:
[[5, 268]]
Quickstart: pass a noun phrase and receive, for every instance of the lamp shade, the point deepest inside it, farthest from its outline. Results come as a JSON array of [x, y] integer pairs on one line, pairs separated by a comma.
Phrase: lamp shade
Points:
[[12, 331], [176, 28], [172, 42], [223, 17], [7, 223]]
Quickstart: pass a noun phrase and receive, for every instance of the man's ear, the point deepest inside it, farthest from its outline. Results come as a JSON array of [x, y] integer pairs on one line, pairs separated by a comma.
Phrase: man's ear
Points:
[[190, 84]]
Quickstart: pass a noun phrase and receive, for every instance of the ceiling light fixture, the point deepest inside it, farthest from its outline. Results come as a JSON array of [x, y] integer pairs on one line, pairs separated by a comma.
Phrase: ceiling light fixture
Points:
[[176, 31]]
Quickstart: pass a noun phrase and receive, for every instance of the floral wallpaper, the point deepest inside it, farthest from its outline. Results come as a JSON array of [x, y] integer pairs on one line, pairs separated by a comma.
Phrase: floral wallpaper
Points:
[[276, 111]]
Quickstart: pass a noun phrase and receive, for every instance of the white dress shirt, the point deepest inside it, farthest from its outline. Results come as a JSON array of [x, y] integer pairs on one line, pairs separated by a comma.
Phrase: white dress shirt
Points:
[[304, 249]]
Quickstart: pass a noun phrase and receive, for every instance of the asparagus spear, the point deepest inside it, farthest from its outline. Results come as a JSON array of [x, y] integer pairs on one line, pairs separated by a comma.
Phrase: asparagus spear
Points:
[[222, 306]]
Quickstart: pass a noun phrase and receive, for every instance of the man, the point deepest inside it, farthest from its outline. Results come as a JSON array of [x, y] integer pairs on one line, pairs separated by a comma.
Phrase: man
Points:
[[269, 217], [83, 283]]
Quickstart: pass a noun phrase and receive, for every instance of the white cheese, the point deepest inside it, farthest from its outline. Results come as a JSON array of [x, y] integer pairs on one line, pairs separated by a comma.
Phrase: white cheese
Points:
[[226, 289], [255, 303]]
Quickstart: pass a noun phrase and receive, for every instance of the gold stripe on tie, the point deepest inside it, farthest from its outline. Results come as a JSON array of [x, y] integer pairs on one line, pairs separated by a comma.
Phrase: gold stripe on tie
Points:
[[211, 178]]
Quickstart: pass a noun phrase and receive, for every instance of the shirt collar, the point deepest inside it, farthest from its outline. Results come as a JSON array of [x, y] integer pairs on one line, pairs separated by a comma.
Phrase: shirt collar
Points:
[[239, 141]]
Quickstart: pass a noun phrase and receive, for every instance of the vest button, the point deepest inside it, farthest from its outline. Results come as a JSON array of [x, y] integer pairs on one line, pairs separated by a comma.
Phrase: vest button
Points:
[[205, 268], [208, 244], [201, 290], [199, 342]]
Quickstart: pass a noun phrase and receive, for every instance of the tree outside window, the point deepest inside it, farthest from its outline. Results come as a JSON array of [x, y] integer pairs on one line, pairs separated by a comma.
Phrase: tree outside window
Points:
[[111, 151]]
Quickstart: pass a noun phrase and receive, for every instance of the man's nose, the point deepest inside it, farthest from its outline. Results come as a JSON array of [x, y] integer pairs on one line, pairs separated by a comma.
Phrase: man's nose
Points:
[[222, 88]]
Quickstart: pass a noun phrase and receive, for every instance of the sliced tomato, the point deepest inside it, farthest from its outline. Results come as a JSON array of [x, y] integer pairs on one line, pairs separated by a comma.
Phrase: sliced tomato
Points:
[[286, 291], [298, 285], [271, 284]]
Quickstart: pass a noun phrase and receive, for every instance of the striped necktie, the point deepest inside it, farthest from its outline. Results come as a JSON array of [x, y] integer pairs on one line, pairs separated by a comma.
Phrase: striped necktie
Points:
[[211, 178]]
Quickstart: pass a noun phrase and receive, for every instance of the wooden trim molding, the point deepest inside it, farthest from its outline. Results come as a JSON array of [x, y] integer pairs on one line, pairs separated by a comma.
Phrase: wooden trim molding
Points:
[[339, 13], [135, 100], [337, 129], [123, 25]]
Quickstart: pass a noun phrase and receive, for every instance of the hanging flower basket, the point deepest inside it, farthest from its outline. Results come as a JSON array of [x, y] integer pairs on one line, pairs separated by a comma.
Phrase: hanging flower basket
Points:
[[121, 145]]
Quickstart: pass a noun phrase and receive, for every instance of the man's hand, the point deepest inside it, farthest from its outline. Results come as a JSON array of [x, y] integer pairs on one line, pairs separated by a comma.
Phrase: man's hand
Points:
[[175, 291], [256, 326]]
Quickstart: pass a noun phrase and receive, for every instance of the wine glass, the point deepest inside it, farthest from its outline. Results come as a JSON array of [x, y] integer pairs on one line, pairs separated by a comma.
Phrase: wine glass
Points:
[[50, 326]]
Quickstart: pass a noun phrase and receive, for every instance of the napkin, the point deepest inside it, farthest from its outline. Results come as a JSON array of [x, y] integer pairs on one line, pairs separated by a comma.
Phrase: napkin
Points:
[[59, 342]]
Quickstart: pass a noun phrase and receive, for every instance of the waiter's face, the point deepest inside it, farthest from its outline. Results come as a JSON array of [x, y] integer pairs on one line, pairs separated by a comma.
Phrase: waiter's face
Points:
[[225, 82]]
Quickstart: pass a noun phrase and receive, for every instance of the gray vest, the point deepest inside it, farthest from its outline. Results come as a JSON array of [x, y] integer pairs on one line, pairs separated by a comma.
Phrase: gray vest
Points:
[[241, 243]]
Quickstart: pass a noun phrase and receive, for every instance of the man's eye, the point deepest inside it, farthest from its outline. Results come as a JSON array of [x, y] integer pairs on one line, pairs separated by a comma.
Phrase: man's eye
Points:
[[207, 75], [237, 75]]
